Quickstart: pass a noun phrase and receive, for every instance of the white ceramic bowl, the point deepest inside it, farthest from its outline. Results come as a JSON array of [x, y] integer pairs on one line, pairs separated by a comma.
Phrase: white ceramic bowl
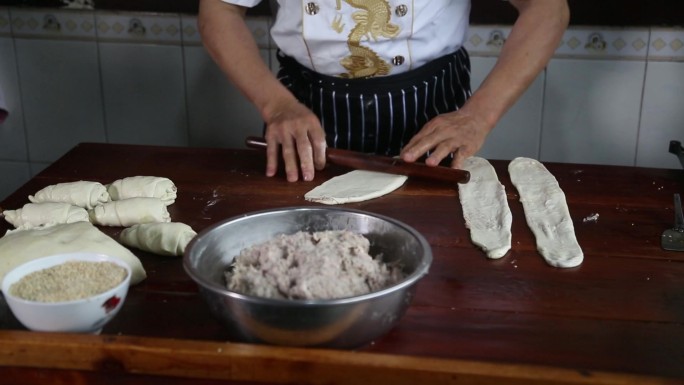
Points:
[[86, 315]]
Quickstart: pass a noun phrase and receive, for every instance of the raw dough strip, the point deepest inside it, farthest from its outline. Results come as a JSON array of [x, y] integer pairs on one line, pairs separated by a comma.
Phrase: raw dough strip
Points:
[[546, 212], [82, 194], [485, 208], [355, 186], [45, 214]]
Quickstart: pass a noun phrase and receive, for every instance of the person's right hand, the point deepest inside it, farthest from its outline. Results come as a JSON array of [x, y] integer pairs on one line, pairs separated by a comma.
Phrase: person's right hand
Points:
[[293, 130]]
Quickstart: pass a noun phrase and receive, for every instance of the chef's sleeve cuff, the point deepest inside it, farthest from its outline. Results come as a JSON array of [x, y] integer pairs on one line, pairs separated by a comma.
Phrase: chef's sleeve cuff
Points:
[[243, 3]]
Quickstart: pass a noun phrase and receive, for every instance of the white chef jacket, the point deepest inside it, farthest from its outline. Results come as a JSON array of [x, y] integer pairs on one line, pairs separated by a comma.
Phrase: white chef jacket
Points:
[[405, 34]]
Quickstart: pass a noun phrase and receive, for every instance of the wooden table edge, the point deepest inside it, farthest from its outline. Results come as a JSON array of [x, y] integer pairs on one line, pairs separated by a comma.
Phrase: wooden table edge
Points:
[[273, 364]]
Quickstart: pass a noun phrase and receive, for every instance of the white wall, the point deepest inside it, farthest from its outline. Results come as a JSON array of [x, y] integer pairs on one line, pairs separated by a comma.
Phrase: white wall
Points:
[[609, 96]]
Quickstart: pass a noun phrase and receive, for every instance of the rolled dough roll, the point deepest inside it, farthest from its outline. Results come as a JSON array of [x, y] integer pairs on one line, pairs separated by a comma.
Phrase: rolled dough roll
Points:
[[546, 212], [159, 238], [23, 246], [143, 186], [129, 212], [45, 214], [82, 194], [355, 186], [485, 208]]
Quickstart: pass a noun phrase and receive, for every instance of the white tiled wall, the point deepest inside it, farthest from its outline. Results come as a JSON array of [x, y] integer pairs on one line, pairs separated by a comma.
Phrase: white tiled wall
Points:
[[12, 136], [662, 112], [595, 123], [58, 70], [217, 112], [518, 132], [593, 97], [141, 67], [609, 96]]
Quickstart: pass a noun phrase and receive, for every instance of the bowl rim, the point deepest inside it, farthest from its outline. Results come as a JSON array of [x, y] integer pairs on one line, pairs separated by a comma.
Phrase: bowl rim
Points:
[[57, 259], [421, 270]]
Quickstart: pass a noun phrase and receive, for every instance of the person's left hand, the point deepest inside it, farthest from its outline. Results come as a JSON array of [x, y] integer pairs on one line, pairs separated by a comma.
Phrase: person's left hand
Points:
[[460, 132]]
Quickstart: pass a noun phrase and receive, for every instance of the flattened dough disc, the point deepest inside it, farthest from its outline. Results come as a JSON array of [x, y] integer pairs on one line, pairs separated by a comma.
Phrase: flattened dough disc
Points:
[[355, 186]]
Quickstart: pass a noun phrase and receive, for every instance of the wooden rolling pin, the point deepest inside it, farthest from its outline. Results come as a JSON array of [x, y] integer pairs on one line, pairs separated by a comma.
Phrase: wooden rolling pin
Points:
[[379, 163]]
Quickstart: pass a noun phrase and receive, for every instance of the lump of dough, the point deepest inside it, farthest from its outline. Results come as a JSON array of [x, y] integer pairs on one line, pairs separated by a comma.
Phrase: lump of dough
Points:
[[485, 208], [546, 212], [129, 212], [22, 246], [143, 186], [45, 214], [82, 194], [355, 186], [169, 238]]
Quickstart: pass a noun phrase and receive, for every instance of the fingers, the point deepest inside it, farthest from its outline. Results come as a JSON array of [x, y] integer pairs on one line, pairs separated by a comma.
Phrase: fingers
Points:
[[272, 151], [305, 153], [319, 149], [289, 154], [452, 133], [418, 146], [296, 136], [289, 149], [459, 157]]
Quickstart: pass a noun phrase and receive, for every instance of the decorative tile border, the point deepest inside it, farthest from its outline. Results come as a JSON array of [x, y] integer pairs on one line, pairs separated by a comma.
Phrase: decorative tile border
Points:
[[604, 43], [5, 28], [486, 40], [190, 31], [581, 43], [666, 45], [662, 44], [136, 27], [258, 25], [52, 24]]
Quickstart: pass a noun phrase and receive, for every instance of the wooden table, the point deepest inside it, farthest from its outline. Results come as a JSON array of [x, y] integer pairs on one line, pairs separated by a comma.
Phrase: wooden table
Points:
[[616, 319]]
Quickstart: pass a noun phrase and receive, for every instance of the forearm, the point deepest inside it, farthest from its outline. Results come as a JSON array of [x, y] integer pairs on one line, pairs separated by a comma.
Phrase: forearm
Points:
[[231, 45], [530, 45]]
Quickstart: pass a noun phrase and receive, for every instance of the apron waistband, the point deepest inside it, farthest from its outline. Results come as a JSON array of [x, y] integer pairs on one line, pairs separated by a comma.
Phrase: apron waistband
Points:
[[398, 81]]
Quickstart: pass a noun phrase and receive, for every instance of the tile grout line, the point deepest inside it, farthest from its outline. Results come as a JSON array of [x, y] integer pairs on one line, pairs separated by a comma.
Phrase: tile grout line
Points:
[[641, 101]]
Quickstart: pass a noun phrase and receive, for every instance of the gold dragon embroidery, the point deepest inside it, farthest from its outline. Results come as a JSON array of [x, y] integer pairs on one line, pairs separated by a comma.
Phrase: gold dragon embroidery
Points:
[[372, 22]]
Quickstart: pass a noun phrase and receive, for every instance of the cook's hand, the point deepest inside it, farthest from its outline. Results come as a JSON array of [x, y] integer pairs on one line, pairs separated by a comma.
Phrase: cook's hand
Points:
[[296, 132], [458, 132]]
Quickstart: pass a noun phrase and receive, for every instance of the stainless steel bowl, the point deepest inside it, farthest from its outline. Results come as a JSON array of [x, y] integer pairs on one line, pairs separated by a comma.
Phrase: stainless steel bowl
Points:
[[337, 323]]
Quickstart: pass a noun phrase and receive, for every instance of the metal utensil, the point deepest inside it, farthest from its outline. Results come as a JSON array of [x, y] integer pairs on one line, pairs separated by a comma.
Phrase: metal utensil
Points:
[[379, 163], [677, 149], [673, 239], [332, 323]]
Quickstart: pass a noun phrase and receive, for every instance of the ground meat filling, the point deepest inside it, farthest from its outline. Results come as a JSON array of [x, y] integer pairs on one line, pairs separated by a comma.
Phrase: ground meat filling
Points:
[[319, 265]]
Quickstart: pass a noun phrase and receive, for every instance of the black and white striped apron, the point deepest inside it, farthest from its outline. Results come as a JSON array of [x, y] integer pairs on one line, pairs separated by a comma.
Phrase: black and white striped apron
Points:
[[380, 115]]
